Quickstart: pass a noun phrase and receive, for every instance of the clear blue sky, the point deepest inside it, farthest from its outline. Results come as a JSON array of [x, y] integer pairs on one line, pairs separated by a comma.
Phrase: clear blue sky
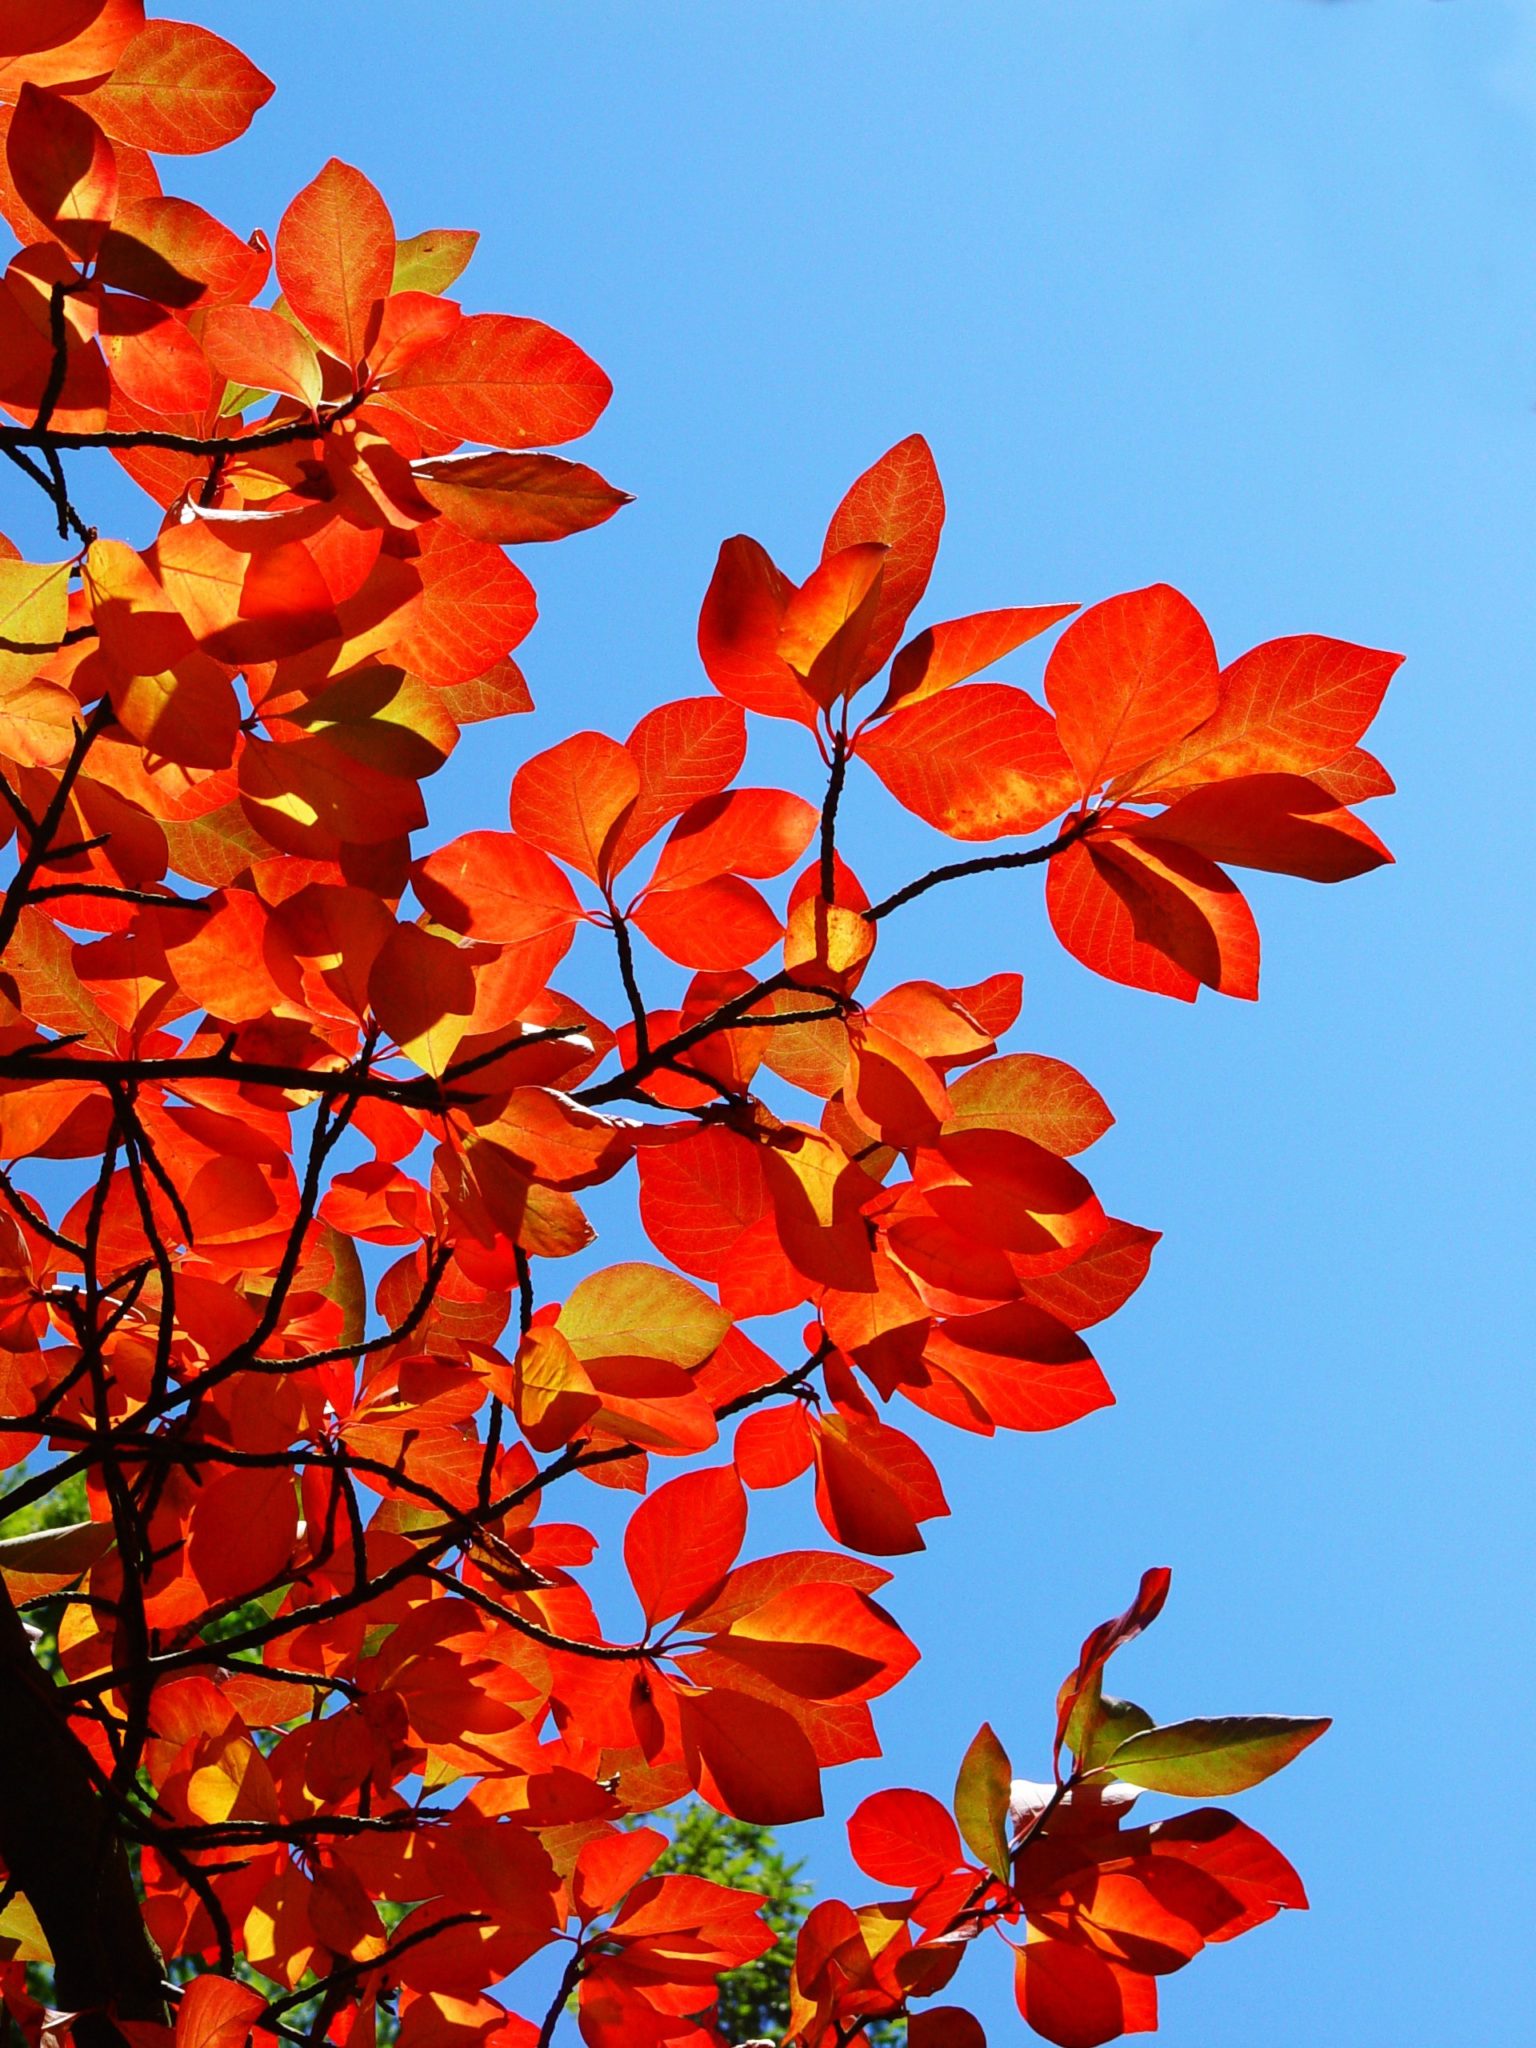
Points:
[[1240, 294]]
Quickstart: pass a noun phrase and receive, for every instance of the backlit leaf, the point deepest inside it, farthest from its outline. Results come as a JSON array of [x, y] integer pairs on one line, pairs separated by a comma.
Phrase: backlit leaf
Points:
[[981, 1800], [335, 259], [683, 1539], [1196, 1759], [1128, 678], [509, 498], [899, 503], [982, 761], [510, 382], [180, 90]]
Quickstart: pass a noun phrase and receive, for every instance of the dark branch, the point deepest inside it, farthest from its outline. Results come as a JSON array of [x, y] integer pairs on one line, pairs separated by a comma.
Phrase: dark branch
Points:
[[984, 864]]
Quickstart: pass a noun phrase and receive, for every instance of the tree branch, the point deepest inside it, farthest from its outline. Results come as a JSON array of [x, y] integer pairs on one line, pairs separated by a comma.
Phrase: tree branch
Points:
[[954, 871]]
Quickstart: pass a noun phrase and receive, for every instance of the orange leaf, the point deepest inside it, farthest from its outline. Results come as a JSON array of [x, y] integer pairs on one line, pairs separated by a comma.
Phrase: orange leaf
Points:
[[979, 762], [336, 259], [1099, 1282], [1129, 678], [249, 345], [152, 357], [943, 655], [172, 252], [827, 622], [1286, 823], [64, 168], [686, 752], [635, 1310], [495, 378], [475, 606], [610, 1864], [179, 90], [898, 502], [1286, 708], [1036, 1097], [216, 2013], [571, 799], [698, 1195]]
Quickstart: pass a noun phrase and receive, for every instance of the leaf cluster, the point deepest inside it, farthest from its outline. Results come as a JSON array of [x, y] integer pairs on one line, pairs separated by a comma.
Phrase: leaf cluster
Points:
[[330, 1736]]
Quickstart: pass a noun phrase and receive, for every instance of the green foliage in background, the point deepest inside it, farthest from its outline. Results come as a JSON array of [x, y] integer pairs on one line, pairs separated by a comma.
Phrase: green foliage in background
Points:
[[754, 2001]]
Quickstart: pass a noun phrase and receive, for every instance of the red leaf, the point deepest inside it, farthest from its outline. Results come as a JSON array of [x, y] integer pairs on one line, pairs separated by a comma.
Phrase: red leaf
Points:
[[242, 1532], [1021, 1367], [683, 1539], [610, 1864], [945, 2026], [1159, 918], [739, 634], [1101, 1644], [698, 1195], [493, 885], [904, 1838], [874, 1485], [773, 1446], [1078, 1998], [750, 1759], [716, 925], [510, 498], [758, 832], [1128, 679]]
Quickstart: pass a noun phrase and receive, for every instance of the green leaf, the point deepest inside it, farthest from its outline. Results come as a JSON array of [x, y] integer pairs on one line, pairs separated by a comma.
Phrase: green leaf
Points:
[[1197, 1759], [981, 1801], [432, 261], [346, 1286], [1098, 1726]]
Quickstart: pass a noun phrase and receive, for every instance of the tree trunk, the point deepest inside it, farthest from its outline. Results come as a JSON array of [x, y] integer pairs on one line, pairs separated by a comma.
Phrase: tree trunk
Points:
[[65, 1856]]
